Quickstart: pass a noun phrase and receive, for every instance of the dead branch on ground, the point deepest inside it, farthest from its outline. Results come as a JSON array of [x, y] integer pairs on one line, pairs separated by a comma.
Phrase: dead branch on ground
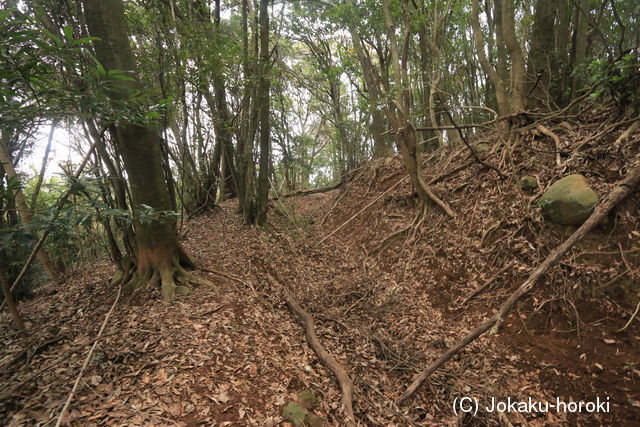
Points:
[[327, 359], [88, 358], [308, 192], [619, 192]]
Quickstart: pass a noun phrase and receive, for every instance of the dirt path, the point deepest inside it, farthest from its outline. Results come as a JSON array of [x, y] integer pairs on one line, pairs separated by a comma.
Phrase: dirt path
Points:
[[237, 355]]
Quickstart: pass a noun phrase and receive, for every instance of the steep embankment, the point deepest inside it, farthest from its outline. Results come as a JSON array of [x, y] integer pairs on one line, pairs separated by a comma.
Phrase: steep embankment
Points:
[[390, 293]]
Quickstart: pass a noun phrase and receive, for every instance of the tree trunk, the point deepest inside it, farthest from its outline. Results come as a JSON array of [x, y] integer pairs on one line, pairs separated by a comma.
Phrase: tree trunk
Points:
[[21, 204], [579, 45], [246, 167], [540, 57], [159, 257], [381, 145], [398, 119], [8, 297], [499, 84], [262, 193], [518, 73]]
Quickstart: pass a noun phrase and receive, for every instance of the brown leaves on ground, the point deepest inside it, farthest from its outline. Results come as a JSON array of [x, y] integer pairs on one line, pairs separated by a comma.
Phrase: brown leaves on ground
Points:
[[384, 306]]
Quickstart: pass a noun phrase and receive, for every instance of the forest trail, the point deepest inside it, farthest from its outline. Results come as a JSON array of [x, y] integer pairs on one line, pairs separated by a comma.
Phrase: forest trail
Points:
[[479, 238], [385, 307]]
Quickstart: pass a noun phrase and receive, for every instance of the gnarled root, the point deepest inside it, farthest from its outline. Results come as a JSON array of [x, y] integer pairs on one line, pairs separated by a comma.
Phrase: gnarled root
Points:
[[172, 278]]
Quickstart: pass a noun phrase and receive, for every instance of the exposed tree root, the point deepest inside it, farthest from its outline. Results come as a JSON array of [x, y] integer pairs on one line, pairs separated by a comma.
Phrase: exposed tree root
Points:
[[621, 190], [474, 154], [172, 278], [556, 140], [606, 131], [361, 210], [389, 238], [327, 359], [434, 198], [487, 283]]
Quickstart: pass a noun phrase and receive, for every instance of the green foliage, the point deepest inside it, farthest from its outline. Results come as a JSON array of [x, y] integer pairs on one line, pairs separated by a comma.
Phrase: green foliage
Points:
[[146, 215], [618, 80]]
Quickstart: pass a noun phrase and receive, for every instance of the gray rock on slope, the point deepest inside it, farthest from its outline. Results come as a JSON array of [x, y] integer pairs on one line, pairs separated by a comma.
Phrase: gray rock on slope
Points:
[[570, 200]]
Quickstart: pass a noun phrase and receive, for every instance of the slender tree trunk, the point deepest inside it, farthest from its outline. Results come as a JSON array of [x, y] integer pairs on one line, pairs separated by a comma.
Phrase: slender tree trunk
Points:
[[8, 297], [246, 187], [262, 194], [21, 204], [518, 73], [499, 84], [405, 132], [579, 45], [561, 59], [118, 185], [43, 167]]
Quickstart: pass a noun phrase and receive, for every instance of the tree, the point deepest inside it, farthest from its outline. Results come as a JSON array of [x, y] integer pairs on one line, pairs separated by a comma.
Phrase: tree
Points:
[[541, 54], [262, 193], [158, 257], [21, 202]]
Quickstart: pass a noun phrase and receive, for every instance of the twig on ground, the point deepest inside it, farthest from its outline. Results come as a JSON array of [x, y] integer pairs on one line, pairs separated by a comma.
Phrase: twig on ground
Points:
[[88, 358], [633, 316]]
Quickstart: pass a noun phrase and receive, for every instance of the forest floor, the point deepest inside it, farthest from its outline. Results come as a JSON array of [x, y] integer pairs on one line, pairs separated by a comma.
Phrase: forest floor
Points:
[[385, 305]]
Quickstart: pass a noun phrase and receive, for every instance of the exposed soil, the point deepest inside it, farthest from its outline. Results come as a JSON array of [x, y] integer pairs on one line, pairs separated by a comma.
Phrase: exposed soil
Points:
[[385, 307]]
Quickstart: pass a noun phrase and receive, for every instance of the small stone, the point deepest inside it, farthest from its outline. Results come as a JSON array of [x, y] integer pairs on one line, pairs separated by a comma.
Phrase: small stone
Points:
[[481, 148], [528, 183], [309, 400], [295, 413], [315, 421], [182, 290]]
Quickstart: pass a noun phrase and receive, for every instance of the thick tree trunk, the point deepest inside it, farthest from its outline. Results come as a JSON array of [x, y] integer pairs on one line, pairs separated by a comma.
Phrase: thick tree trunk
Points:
[[158, 255], [21, 204]]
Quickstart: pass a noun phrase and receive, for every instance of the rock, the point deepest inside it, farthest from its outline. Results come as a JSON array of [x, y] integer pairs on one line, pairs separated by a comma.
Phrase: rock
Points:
[[481, 148], [569, 200], [295, 413], [182, 290], [315, 421], [309, 400], [528, 183]]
